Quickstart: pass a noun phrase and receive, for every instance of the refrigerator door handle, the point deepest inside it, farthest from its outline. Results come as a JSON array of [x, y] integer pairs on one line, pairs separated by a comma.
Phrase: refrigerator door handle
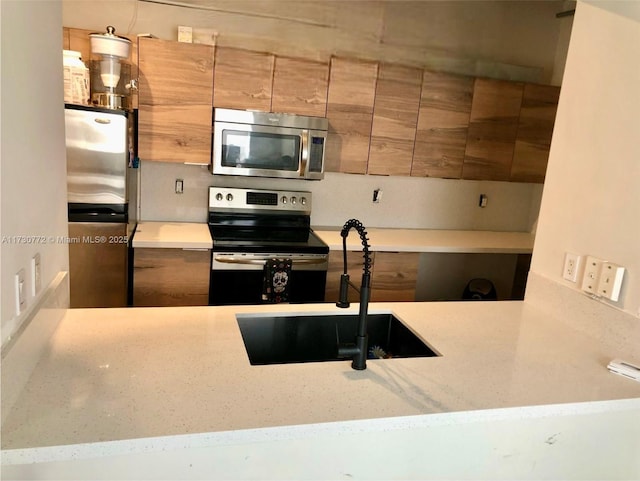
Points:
[[102, 120]]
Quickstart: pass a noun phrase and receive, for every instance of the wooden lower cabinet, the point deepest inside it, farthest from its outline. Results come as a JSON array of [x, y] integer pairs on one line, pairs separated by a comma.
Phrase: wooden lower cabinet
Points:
[[171, 277], [335, 270], [394, 275]]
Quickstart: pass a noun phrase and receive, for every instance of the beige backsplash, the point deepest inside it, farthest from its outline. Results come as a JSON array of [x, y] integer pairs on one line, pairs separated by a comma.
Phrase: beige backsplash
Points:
[[406, 202]]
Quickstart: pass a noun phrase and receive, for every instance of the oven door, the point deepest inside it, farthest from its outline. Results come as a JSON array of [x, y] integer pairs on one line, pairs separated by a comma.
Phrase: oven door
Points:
[[259, 150], [238, 278]]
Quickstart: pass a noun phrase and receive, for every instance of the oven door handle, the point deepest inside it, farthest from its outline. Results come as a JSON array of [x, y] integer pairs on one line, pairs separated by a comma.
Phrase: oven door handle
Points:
[[262, 261]]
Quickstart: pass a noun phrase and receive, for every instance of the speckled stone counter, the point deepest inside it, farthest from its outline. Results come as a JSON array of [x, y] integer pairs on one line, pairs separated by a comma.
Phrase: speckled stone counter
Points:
[[425, 240], [177, 235], [119, 374]]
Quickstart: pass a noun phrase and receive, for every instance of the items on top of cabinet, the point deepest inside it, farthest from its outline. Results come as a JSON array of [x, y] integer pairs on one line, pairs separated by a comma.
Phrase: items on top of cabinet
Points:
[[111, 79], [76, 78]]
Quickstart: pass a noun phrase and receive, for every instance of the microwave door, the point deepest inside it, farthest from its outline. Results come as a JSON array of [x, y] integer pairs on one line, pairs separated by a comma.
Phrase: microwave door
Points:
[[255, 150]]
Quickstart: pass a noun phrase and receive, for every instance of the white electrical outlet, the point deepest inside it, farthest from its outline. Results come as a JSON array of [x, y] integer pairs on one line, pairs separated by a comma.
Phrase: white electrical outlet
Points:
[[591, 275], [36, 275], [571, 266], [610, 280], [21, 295]]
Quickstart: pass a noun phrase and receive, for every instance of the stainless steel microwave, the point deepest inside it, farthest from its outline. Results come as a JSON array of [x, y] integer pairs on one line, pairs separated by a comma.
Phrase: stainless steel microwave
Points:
[[262, 144]]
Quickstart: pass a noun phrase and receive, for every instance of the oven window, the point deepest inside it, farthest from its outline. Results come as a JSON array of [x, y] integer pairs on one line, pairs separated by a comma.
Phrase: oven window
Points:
[[260, 150]]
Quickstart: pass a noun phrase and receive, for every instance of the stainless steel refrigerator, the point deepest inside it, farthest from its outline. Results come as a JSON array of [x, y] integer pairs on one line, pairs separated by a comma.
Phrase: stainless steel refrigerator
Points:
[[101, 195]]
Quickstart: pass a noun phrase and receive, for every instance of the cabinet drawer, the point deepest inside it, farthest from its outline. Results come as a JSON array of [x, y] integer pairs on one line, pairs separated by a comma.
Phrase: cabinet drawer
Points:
[[171, 277]]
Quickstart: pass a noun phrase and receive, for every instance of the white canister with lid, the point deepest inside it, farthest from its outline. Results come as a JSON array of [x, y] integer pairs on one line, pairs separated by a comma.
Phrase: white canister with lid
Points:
[[76, 78]]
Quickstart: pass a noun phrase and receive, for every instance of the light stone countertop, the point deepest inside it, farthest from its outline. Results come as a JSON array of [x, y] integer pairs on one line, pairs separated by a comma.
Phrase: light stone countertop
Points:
[[123, 374], [178, 235], [197, 235], [427, 240]]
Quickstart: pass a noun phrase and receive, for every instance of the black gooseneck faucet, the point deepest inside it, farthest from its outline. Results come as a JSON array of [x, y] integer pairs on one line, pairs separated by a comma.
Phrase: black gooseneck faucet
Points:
[[359, 350]]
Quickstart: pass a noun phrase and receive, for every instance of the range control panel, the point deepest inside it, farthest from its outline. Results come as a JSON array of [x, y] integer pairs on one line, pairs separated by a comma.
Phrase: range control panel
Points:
[[227, 198]]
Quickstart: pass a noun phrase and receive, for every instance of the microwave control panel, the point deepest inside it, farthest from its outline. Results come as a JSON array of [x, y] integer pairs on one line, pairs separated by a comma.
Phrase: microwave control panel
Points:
[[316, 153]]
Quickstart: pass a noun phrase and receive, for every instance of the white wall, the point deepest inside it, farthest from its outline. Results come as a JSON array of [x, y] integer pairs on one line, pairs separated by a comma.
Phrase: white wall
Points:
[[493, 38], [591, 198], [33, 171]]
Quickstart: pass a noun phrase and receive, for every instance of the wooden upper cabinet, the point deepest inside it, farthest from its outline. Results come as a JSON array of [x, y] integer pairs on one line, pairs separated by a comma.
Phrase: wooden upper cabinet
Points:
[[65, 38], [79, 41], [352, 89], [175, 96], [492, 129], [535, 128], [443, 124], [300, 87], [395, 116], [175, 73], [243, 79]]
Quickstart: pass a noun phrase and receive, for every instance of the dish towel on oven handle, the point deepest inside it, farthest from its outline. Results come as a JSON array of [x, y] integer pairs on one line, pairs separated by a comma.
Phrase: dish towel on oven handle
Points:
[[277, 280]]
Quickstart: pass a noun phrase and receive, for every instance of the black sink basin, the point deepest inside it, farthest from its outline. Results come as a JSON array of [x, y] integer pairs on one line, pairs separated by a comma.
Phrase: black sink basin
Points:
[[315, 338]]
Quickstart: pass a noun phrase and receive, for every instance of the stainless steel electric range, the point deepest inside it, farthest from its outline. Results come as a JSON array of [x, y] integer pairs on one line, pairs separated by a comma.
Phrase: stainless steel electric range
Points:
[[254, 230]]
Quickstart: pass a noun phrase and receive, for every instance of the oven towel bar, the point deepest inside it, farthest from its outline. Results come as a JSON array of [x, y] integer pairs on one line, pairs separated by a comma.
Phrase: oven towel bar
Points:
[[277, 280]]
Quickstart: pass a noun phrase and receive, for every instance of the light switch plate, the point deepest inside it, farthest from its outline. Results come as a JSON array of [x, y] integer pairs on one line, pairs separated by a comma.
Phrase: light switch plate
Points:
[[21, 294], [36, 275], [610, 281]]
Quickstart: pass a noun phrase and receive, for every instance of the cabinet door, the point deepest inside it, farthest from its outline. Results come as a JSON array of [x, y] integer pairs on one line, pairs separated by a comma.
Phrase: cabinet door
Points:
[[395, 116], [243, 79], [65, 38], [495, 109], [175, 133], [335, 270], [535, 127], [79, 41], [97, 271], [171, 277], [300, 87], [395, 275], [443, 123], [352, 88], [175, 97]]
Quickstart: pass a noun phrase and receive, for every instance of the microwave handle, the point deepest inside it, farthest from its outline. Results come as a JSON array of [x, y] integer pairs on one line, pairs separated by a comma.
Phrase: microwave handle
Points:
[[304, 154]]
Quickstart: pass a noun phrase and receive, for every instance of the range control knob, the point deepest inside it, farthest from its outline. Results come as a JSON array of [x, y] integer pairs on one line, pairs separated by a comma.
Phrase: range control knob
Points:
[[229, 197], [294, 200], [303, 200], [283, 200], [219, 196]]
